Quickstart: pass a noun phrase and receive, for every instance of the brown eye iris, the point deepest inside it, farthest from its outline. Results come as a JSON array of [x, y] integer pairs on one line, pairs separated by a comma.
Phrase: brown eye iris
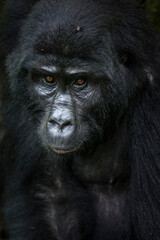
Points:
[[80, 82], [50, 79]]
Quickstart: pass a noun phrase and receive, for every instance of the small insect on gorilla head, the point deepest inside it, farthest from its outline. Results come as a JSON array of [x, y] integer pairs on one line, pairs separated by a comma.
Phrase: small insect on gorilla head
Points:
[[75, 70]]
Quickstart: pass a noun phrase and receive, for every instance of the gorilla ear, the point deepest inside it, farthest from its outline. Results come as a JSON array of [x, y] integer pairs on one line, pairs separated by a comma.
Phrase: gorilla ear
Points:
[[126, 59], [123, 57]]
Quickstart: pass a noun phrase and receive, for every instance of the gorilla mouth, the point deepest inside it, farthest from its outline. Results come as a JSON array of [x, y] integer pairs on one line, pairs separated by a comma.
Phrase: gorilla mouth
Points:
[[64, 151]]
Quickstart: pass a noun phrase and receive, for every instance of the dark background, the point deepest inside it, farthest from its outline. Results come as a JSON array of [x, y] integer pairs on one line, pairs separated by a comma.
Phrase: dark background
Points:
[[152, 8]]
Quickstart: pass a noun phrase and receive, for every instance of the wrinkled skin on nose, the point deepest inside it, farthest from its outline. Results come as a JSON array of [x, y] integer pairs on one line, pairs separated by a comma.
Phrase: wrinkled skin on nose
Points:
[[61, 125]]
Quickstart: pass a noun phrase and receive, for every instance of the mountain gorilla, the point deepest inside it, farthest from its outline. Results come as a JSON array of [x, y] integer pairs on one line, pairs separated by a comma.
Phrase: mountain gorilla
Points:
[[81, 152]]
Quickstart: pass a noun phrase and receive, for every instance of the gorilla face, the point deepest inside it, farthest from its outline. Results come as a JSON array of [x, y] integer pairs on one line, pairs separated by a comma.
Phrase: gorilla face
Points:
[[69, 96]]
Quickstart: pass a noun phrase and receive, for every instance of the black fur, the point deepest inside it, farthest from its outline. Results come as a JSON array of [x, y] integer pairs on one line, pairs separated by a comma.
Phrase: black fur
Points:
[[109, 188]]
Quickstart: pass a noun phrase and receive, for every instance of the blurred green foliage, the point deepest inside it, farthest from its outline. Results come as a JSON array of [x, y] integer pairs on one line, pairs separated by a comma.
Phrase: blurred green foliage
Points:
[[152, 8]]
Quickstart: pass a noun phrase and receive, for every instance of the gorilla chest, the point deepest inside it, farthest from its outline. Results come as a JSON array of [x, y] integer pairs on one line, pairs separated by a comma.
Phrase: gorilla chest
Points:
[[92, 213], [93, 204], [99, 193], [109, 212], [101, 168]]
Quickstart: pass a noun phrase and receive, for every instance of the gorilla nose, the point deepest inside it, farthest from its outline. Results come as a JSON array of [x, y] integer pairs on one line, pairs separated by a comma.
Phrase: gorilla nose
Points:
[[61, 123]]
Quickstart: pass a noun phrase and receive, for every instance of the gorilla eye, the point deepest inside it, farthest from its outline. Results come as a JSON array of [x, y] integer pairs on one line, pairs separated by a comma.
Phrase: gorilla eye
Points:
[[50, 80], [80, 82]]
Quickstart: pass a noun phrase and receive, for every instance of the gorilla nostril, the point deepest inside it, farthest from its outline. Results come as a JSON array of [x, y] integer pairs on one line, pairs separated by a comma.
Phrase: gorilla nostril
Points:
[[65, 125], [53, 123]]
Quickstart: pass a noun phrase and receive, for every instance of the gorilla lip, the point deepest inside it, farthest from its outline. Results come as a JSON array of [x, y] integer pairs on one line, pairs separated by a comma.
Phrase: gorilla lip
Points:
[[64, 151]]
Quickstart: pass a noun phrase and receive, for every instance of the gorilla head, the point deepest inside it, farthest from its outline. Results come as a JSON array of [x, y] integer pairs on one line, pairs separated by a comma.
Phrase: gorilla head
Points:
[[74, 71]]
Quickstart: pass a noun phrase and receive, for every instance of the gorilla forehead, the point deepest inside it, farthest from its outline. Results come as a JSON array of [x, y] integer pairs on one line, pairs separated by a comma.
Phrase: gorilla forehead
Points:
[[57, 28]]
